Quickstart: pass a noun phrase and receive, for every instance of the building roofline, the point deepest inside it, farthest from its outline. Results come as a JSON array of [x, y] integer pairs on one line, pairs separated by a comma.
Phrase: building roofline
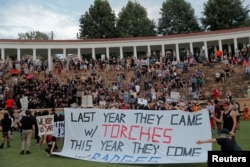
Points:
[[135, 38]]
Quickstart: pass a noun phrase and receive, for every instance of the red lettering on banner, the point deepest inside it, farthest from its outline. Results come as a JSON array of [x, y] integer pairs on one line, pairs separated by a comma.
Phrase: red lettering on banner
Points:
[[132, 131], [48, 120], [165, 136], [137, 133]]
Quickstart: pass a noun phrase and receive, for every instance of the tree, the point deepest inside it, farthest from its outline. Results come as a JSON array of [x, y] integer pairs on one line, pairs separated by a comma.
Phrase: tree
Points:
[[224, 14], [177, 17], [34, 35], [133, 21], [98, 22]]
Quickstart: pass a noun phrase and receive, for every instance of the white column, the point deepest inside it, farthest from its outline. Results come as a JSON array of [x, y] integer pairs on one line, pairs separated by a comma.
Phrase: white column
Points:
[[221, 49], [191, 48], [205, 50], [18, 54], [121, 53], [220, 46], [49, 59], [135, 52], [229, 49], [79, 54], [107, 53], [235, 45], [177, 52], [34, 53], [93, 53], [2, 54], [163, 51], [64, 53], [149, 51]]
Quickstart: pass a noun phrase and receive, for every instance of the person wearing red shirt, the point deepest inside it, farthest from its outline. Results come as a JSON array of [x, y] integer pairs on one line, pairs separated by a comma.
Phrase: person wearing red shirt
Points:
[[9, 104], [215, 93], [124, 107]]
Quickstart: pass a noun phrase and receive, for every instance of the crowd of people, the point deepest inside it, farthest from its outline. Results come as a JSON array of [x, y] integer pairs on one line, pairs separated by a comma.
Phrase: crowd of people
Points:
[[152, 79]]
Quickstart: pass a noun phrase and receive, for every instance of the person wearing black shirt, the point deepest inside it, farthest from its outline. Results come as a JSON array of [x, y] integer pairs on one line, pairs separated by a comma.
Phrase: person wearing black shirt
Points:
[[27, 124], [6, 126], [224, 139], [228, 118]]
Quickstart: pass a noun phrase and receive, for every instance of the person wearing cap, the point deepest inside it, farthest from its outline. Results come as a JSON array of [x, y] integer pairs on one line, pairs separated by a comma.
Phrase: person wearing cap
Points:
[[27, 124], [224, 139], [228, 118]]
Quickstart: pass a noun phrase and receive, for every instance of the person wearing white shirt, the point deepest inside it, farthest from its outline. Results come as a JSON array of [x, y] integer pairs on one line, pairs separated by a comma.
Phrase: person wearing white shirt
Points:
[[137, 88]]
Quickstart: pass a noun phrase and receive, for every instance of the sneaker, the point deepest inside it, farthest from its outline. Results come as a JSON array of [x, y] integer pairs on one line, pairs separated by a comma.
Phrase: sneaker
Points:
[[28, 152], [22, 152]]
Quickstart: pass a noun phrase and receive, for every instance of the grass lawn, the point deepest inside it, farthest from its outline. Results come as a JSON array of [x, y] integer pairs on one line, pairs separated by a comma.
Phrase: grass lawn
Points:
[[10, 157]]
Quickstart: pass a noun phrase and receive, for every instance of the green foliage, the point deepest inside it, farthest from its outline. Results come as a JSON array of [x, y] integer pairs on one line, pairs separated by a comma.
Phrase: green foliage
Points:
[[133, 21], [247, 22], [224, 14], [98, 22], [33, 35], [177, 17]]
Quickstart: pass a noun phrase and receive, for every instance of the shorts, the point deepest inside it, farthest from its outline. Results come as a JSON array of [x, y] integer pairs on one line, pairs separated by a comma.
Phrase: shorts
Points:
[[5, 134]]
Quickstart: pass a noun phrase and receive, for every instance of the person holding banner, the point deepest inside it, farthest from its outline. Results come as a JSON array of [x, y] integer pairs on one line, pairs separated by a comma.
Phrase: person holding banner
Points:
[[51, 144], [224, 139], [42, 137]]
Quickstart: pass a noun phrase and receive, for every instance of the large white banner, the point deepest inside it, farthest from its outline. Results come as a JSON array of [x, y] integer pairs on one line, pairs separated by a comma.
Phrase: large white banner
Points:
[[136, 136]]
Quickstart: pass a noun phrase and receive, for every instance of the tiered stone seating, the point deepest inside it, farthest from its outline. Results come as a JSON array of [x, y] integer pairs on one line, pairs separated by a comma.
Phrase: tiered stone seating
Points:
[[236, 83]]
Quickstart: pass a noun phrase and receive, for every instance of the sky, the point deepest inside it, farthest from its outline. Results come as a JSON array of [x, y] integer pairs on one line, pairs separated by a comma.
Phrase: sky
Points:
[[62, 16]]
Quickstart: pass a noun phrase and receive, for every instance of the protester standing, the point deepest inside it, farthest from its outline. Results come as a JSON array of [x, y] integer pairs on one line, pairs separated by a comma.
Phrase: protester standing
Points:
[[217, 114], [6, 126], [9, 104], [228, 120], [27, 124]]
